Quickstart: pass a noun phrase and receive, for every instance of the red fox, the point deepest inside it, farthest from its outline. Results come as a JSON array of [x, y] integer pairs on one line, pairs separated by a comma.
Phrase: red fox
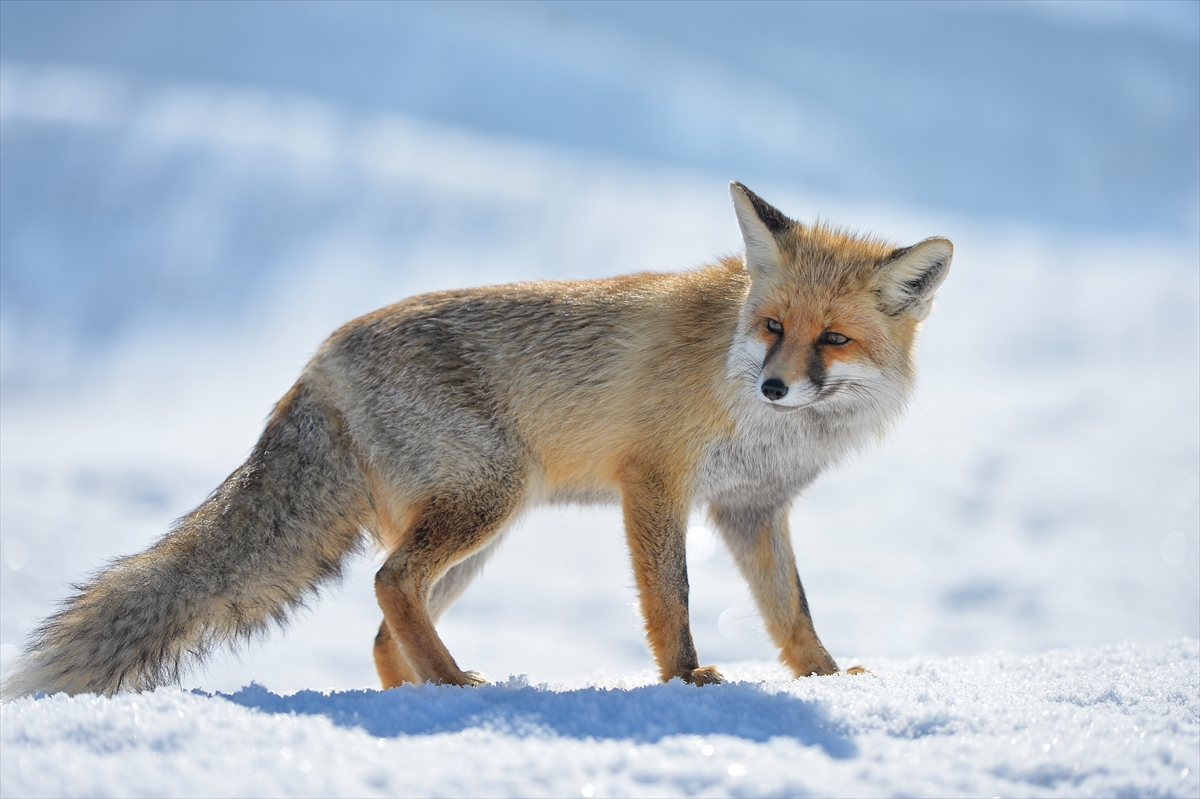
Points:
[[429, 425]]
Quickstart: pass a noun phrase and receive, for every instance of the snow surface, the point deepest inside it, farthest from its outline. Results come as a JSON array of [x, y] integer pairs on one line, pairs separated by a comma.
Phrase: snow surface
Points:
[[1101, 721], [1018, 564]]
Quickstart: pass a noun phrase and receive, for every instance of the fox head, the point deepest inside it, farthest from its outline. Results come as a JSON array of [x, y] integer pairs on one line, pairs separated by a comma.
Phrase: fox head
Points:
[[830, 318]]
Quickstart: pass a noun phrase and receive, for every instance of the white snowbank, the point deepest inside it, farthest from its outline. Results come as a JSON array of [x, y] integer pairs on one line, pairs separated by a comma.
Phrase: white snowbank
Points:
[[1105, 721]]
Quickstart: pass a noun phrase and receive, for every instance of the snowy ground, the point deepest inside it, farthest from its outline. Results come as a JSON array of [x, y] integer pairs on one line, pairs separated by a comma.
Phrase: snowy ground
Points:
[[1018, 564], [1100, 721]]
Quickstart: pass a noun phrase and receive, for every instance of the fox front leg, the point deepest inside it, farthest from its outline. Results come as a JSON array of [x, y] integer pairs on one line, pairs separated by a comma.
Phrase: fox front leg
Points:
[[655, 525], [761, 546]]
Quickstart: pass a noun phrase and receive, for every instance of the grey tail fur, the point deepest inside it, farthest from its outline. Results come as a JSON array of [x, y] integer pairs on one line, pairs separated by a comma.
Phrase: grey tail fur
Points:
[[277, 528]]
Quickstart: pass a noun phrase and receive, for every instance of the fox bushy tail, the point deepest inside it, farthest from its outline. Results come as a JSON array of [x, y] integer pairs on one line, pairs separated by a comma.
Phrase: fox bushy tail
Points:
[[277, 528]]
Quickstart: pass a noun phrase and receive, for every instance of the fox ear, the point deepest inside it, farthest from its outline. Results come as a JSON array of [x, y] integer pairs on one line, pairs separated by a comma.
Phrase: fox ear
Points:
[[761, 224], [908, 280]]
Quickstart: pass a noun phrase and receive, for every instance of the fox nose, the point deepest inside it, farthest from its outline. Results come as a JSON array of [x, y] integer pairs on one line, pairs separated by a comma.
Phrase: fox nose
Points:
[[774, 389]]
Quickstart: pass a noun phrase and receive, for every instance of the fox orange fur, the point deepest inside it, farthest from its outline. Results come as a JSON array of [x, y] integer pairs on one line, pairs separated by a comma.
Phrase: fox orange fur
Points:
[[431, 424]]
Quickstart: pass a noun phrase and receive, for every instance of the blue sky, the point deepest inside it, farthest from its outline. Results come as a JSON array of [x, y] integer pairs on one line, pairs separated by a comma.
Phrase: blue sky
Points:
[[1074, 114]]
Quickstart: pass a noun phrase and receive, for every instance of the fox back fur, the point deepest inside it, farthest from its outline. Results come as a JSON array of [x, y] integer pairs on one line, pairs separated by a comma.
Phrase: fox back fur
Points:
[[431, 424]]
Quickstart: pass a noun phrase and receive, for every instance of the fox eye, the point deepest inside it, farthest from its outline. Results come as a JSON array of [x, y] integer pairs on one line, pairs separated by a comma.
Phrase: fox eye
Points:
[[775, 326], [834, 338]]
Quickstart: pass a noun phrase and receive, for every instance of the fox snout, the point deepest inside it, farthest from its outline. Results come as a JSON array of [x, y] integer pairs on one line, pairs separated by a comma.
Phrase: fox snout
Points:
[[774, 389], [800, 393]]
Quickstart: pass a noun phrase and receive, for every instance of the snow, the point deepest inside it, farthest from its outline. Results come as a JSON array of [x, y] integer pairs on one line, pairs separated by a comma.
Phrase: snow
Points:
[[1099, 721], [1018, 564]]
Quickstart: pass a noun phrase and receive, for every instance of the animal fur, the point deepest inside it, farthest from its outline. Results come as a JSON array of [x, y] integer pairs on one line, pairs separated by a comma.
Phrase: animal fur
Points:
[[429, 425]]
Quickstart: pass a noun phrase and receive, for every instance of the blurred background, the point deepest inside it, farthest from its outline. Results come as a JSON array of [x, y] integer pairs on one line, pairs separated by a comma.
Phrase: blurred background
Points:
[[192, 195]]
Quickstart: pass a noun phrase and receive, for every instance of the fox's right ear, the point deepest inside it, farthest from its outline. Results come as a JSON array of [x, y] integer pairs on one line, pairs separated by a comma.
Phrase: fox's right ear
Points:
[[761, 224]]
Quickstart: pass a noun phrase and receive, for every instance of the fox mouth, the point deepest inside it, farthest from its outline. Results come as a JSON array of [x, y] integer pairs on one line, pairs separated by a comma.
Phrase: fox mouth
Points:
[[785, 408]]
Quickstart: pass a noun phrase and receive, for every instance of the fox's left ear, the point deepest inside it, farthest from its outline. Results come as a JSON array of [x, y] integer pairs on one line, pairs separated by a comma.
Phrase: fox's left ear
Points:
[[909, 279], [761, 224]]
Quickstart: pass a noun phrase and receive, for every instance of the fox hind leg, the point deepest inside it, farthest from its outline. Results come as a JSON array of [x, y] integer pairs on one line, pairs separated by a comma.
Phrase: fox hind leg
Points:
[[393, 668], [390, 663], [451, 585], [761, 546], [450, 528]]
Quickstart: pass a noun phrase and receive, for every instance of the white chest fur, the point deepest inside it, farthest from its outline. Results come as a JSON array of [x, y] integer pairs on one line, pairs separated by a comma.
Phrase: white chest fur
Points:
[[775, 455]]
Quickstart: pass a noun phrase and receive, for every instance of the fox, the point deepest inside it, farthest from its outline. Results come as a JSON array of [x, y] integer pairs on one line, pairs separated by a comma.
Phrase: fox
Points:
[[428, 426]]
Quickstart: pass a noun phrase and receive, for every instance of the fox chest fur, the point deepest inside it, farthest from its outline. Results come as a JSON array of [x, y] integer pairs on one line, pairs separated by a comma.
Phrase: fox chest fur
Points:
[[768, 460]]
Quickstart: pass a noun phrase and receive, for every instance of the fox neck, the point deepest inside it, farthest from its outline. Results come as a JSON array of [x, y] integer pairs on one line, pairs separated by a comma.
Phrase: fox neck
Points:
[[773, 455]]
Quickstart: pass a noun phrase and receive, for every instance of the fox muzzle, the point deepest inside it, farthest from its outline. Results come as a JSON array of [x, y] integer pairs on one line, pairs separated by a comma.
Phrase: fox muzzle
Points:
[[774, 389]]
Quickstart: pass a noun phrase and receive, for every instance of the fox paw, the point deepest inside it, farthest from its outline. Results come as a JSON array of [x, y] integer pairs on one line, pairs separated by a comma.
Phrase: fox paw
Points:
[[858, 670], [473, 678], [465, 678], [705, 675], [815, 665]]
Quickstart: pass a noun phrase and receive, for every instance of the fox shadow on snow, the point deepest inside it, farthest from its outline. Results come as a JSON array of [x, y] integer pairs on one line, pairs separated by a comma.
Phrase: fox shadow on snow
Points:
[[646, 714]]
